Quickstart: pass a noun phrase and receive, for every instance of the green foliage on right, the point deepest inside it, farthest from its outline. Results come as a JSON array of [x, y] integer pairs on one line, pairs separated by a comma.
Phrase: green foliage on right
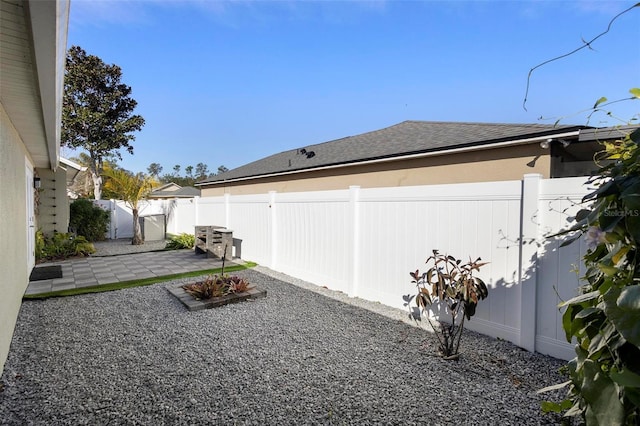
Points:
[[182, 241], [61, 246], [89, 220], [604, 385]]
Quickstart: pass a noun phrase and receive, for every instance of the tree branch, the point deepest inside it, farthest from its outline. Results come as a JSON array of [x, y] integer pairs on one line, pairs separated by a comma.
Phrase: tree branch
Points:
[[585, 44]]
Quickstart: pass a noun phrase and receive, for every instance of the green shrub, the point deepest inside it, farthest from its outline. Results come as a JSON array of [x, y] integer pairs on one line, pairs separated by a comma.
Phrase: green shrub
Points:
[[61, 246], [604, 377], [451, 285], [40, 244], [182, 241], [88, 220]]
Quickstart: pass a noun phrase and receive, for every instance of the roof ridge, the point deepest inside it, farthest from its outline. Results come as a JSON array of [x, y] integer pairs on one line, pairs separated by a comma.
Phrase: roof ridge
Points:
[[483, 123]]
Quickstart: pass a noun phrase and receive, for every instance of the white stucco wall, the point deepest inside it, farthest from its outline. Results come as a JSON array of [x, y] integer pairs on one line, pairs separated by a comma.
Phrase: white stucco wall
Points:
[[13, 230], [53, 206]]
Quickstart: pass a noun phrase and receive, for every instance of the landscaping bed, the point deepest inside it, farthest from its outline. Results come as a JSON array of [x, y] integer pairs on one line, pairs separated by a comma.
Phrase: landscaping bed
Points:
[[303, 355]]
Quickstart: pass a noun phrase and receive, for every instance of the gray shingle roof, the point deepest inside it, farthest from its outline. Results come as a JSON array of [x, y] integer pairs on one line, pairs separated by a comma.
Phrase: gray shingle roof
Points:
[[184, 192], [408, 137]]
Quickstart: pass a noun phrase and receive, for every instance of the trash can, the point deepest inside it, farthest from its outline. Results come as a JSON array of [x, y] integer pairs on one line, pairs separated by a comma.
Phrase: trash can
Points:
[[153, 227]]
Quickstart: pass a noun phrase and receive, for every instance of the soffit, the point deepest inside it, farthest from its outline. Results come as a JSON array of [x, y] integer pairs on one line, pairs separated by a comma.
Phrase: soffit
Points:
[[29, 74]]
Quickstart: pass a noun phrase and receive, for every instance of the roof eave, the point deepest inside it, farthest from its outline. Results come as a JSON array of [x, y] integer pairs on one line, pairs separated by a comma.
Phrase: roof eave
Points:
[[48, 22], [606, 133], [32, 59], [431, 153]]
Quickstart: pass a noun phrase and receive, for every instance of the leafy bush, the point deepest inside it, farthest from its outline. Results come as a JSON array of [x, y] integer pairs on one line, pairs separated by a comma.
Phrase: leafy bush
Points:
[[450, 284], [217, 286], [61, 246], [89, 220], [182, 241], [604, 385], [40, 244]]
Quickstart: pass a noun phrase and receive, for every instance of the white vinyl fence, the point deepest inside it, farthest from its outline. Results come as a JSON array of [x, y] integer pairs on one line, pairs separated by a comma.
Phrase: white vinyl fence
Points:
[[364, 242], [121, 225]]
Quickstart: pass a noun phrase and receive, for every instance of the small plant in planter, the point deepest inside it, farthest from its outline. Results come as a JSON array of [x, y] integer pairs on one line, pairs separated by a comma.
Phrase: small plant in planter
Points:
[[217, 286], [238, 285], [451, 285]]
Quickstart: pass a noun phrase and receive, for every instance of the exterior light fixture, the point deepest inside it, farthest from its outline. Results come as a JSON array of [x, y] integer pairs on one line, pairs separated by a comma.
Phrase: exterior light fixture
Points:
[[565, 143], [36, 182], [546, 144]]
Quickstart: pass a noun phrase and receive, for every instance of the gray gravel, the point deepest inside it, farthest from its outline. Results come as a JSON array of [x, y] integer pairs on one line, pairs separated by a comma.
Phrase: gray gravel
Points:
[[124, 246], [302, 355]]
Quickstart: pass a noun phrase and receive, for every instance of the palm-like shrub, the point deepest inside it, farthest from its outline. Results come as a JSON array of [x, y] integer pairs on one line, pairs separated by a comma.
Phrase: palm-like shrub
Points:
[[131, 188], [217, 286]]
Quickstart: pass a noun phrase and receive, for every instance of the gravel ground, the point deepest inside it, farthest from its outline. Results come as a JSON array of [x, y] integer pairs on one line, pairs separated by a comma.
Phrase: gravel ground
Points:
[[302, 355], [124, 246]]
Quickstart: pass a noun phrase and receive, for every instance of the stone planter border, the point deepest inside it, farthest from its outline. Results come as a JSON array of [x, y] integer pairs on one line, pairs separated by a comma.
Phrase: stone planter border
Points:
[[193, 304]]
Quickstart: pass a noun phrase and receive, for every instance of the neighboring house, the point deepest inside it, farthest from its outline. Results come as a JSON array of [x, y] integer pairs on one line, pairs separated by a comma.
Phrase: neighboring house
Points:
[[73, 171], [172, 190], [33, 39], [418, 153]]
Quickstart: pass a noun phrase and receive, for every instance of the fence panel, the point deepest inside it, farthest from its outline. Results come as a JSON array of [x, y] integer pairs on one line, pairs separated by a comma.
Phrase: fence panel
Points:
[[182, 216], [211, 212], [250, 219], [401, 226], [559, 268], [313, 237]]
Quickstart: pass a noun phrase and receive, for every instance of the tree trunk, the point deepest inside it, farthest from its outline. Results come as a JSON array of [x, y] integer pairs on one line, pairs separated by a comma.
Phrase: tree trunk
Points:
[[97, 185], [137, 234]]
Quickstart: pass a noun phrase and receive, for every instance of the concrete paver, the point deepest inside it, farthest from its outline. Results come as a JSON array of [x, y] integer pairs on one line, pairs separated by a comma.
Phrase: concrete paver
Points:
[[88, 271]]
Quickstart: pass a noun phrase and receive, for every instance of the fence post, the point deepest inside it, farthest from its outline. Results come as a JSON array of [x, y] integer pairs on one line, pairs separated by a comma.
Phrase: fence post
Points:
[[196, 217], [274, 230], [113, 209], [354, 205], [528, 259], [173, 208]]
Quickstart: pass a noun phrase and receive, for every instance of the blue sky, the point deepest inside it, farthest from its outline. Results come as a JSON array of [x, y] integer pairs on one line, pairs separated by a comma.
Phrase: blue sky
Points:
[[230, 82]]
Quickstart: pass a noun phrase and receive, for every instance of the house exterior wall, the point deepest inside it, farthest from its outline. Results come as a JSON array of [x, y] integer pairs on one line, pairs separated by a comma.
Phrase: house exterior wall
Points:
[[53, 205], [13, 230], [33, 40], [489, 165]]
